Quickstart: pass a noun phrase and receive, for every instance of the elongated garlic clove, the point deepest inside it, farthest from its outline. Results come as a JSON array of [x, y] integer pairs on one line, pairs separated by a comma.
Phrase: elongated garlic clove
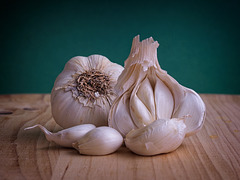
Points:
[[146, 95], [140, 114], [99, 141], [122, 112], [161, 136], [163, 99], [67, 136]]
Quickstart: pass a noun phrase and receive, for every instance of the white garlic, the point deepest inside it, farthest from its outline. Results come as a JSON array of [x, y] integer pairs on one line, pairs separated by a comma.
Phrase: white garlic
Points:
[[83, 92], [147, 93], [99, 141], [67, 136], [161, 136]]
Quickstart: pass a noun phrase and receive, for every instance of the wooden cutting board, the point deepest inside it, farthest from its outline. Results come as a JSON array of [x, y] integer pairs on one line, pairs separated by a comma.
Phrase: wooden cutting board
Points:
[[213, 153]]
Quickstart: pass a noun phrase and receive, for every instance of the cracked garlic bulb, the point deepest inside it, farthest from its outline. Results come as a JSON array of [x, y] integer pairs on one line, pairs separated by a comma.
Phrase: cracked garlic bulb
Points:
[[83, 92], [147, 93]]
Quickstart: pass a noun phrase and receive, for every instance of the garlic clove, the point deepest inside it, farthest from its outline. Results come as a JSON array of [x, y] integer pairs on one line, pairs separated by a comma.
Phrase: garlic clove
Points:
[[145, 94], [99, 141], [163, 100], [67, 136], [141, 116], [123, 113], [161, 136], [193, 106], [130, 75]]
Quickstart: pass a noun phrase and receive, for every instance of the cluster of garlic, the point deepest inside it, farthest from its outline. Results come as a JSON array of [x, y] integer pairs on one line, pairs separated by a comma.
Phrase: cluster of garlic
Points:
[[139, 102], [86, 138]]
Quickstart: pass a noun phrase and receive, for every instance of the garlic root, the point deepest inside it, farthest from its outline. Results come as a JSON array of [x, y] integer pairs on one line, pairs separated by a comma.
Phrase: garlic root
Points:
[[83, 92]]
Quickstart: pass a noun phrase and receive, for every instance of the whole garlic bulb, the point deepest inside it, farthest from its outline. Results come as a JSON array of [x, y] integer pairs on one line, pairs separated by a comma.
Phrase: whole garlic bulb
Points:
[[147, 93], [67, 136], [161, 136], [83, 92], [99, 141]]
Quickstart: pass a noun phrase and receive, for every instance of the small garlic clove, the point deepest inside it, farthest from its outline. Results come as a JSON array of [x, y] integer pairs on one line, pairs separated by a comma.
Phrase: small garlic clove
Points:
[[163, 99], [195, 107], [141, 116], [122, 113], [161, 136], [99, 141], [65, 137], [145, 94]]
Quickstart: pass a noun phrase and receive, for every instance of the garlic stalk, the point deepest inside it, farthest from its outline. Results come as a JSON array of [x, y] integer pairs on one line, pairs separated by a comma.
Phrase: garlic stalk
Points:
[[99, 141], [161, 136], [147, 93], [83, 92], [67, 136]]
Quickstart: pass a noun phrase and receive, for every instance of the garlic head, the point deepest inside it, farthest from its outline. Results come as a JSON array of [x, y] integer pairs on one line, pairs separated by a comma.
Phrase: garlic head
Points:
[[99, 141], [67, 136], [83, 92], [147, 93], [161, 136]]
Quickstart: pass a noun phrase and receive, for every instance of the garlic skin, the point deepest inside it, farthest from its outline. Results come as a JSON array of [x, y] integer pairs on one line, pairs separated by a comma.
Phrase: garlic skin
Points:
[[83, 92], [147, 93], [65, 137], [99, 141], [161, 136]]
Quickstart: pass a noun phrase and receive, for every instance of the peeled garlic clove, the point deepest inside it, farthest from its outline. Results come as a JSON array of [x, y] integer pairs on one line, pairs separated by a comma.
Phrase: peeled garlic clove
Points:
[[99, 141], [161, 136], [84, 91], [67, 136]]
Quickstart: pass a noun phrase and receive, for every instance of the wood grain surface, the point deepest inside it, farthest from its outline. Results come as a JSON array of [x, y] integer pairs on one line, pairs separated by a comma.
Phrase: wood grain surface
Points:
[[213, 153]]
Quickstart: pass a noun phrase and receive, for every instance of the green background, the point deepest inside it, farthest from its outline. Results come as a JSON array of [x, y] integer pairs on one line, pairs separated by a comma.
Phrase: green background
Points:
[[199, 40]]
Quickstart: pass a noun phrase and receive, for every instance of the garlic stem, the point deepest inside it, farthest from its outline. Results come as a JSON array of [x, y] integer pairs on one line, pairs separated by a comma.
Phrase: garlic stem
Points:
[[49, 135]]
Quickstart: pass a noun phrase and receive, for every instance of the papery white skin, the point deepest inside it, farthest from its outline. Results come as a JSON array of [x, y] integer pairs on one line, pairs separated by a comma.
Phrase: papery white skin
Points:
[[152, 94], [99, 141], [69, 109], [161, 136], [67, 136]]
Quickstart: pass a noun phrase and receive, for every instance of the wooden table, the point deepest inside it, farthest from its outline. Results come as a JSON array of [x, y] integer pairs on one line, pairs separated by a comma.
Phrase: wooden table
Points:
[[213, 153]]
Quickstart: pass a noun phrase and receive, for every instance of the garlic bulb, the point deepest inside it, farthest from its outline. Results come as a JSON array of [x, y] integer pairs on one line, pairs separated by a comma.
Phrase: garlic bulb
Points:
[[83, 92], [147, 93], [99, 141], [161, 136], [67, 136]]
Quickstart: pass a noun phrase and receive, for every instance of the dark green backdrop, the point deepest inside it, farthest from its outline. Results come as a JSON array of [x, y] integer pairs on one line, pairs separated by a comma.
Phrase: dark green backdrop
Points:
[[199, 40]]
